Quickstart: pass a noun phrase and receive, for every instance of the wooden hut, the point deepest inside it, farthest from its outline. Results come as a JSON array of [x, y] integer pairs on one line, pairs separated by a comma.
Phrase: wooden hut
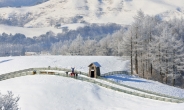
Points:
[[94, 70]]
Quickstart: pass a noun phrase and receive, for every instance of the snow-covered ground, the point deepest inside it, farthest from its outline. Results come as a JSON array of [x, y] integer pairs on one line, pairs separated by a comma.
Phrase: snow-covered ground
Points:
[[81, 63], [47, 92], [42, 92], [149, 85]]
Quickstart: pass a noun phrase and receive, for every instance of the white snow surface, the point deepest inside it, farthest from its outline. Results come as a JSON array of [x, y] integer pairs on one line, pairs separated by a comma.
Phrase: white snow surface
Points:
[[149, 85], [42, 92], [62, 12], [19, 3], [49, 92], [81, 63]]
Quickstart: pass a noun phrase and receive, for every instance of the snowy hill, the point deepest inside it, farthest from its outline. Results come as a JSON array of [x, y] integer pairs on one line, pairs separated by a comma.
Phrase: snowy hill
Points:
[[19, 3], [60, 12], [43, 92], [55, 12]]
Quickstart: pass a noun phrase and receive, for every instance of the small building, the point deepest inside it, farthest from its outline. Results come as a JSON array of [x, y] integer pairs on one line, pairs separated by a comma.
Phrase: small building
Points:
[[44, 53], [94, 70], [30, 53]]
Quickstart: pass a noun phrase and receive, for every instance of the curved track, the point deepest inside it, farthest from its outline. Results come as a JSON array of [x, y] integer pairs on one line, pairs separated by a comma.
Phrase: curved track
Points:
[[99, 81]]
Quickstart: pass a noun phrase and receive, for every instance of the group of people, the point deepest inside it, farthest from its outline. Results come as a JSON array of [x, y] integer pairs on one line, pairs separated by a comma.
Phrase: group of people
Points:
[[73, 73]]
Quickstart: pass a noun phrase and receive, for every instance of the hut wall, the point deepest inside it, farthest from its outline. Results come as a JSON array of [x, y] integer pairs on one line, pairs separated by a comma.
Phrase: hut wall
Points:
[[89, 71], [98, 71], [95, 72], [95, 69]]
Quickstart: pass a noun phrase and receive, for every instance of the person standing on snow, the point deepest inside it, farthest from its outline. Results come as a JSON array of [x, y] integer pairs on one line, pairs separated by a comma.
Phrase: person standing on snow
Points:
[[72, 69]]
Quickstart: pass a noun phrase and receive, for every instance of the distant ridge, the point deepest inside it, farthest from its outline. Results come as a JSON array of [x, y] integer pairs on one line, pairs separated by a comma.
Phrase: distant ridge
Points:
[[20, 3]]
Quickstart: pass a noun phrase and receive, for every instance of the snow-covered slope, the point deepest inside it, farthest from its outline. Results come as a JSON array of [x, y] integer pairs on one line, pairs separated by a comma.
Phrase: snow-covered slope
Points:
[[44, 92], [148, 85], [55, 12], [61, 12], [19, 3]]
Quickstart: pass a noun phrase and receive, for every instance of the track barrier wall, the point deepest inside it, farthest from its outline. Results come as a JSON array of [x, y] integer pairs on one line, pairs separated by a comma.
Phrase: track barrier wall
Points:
[[30, 71], [127, 73]]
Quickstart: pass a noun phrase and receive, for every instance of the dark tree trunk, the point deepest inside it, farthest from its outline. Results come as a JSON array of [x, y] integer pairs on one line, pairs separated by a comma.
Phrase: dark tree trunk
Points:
[[162, 77], [136, 64], [151, 70], [143, 71], [136, 56], [131, 56], [173, 82]]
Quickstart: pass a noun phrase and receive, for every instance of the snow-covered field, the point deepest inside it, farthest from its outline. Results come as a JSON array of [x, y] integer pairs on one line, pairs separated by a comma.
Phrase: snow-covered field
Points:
[[81, 63], [43, 92], [149, 85]]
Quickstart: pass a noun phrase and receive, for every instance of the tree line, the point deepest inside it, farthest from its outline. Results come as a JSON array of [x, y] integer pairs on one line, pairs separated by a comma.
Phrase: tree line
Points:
[[18, 44], [156, 47]]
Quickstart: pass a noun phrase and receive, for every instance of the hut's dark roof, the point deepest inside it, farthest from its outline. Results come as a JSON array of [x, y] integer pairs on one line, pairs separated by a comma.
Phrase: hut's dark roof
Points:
[[96, 64]]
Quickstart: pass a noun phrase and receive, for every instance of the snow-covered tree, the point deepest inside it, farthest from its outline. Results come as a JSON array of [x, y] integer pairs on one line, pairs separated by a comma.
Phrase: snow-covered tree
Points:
[[137, 36], [176, 50], [167, 53], [159, 53], [89, 47], [8, 102], [75, 47], [128, 44], [105, 46]]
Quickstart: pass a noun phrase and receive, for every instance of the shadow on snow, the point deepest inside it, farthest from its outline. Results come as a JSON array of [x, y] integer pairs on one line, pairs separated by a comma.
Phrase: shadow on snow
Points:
[[117, 79], [5, 60]]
